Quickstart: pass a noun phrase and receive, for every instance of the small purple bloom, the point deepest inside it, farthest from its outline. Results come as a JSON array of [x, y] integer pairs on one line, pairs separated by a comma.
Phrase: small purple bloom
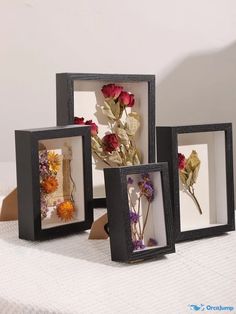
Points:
[[138, 245], [134, 217], [130, 180], [146, 176], [43, 163]]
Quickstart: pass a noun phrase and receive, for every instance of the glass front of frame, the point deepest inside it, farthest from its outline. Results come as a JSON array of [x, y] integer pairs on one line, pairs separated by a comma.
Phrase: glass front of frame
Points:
[[120, 112], [61, 181], [146, 211], [202, 180]]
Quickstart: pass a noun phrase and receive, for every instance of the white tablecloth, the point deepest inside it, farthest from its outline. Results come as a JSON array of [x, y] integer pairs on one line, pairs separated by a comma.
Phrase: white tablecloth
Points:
[[76, 275]]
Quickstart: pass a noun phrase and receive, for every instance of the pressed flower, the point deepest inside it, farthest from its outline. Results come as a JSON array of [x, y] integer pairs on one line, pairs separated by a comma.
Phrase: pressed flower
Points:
[[49, 184], [152, 242], [93, 127], [130, 180], [79, 121], [111, 91], [65, 210], [43, 163], [181, 161], [138, 245], [53, 161], [147, 189], [110, 142], [134, 217]]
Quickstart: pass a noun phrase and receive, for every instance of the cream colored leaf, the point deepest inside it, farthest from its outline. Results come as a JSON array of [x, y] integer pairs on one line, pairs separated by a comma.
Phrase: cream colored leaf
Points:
[[115, 158], [115, 108], [106, 110], [121, 133], [132, 123]]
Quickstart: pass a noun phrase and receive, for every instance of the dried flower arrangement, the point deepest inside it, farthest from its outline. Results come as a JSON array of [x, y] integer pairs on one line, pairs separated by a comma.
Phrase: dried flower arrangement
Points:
[[117, 147], [188, 173], [49, 165], [145, 192]]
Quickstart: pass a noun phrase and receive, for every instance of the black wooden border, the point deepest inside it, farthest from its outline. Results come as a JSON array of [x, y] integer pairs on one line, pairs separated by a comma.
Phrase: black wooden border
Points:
[[118, 212], [65, 104], [167, 150], [28, 181]]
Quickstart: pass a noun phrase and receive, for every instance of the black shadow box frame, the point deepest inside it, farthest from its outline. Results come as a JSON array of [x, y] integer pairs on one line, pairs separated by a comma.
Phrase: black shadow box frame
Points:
[[65, 104], [27, 160], [167, 150], [119, 217]]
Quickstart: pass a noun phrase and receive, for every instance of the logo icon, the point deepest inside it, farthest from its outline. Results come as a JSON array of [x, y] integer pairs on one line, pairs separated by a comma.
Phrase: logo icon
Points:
[[197, 308]]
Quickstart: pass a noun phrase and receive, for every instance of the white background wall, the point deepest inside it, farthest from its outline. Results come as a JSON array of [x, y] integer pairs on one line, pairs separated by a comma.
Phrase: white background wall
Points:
[[189, 44]]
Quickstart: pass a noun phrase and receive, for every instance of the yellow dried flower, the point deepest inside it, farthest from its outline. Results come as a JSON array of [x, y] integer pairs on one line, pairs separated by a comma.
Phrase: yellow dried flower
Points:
[[53, 161], [65, 210]]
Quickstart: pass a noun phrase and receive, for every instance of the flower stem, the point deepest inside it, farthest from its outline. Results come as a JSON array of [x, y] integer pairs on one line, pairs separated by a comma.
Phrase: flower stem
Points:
[[195, 199], [146, 218]]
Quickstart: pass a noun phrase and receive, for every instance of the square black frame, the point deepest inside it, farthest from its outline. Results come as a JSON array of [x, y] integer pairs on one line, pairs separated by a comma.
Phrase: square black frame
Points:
[[167, 150], [65, 103], [27, 162], [118, 213]]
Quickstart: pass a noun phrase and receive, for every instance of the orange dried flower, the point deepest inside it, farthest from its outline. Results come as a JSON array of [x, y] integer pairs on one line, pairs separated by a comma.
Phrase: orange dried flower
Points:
[[65, 210], [49, 184]]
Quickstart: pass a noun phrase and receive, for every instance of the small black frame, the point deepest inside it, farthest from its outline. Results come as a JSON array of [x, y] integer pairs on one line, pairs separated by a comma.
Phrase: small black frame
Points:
[[65, 103], [167, 150], [118, 213], [27, 161]]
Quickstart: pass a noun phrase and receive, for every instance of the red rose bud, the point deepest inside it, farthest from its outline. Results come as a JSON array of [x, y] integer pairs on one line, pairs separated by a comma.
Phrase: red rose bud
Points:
[[126, 99], [79, 121], [111, 91], [93, 126], [110, 142], [131, 101], [181, 161]]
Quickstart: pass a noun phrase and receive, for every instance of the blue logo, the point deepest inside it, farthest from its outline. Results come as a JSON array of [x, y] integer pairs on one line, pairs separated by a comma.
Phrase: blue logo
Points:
[[195, 307], [208, 308]]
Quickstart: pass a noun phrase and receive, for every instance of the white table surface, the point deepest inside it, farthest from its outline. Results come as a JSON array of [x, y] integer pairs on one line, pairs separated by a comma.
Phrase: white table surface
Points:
[[76, 275]]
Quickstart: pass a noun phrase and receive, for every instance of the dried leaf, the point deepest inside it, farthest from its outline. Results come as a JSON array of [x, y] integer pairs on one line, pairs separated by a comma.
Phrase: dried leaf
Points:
[[96, 146], [124, 139], [115, 158], [132, 123], [115, 108], [106, 110]]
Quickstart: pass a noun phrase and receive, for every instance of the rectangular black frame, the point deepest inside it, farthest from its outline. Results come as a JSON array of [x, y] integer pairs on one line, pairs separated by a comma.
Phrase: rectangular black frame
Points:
[[118, 213], [27, 161], [167, 150], [65, 103]]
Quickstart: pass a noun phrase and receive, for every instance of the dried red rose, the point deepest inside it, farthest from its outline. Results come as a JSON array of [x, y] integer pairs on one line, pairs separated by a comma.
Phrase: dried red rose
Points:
[[181, 161], [126, 99], [111, 91], [79, 121], [93, 126], [110, 142]]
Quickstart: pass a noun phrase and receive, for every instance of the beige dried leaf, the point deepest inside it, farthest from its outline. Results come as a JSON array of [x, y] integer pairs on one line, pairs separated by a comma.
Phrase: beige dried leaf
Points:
[[115, 158], [132, 123], [106, 110], [123, 136]]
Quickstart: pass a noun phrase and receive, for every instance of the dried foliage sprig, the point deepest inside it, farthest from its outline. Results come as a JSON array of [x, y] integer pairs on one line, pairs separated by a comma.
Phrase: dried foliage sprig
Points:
[[146, 191], [188, 173], [117, 147]]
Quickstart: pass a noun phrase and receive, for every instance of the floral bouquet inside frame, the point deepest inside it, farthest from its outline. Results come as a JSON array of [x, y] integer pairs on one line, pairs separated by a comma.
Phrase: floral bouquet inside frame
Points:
[[117, 147]]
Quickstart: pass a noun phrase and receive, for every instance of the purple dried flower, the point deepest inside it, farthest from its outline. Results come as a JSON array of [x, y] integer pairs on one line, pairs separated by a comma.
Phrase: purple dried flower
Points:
[[130, 180], [147, 189], [138, 245], [43, 206], [146, 176], [152, 242], [134, 217], [43, 163]]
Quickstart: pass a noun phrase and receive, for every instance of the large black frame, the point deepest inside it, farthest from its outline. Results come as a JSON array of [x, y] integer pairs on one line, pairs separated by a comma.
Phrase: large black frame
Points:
[[118, 213], [167, 150], [27, 161], [65, 103]]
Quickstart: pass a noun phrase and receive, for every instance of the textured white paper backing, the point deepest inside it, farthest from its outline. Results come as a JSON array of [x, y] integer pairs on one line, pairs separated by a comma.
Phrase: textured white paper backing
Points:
[[76, 275]]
